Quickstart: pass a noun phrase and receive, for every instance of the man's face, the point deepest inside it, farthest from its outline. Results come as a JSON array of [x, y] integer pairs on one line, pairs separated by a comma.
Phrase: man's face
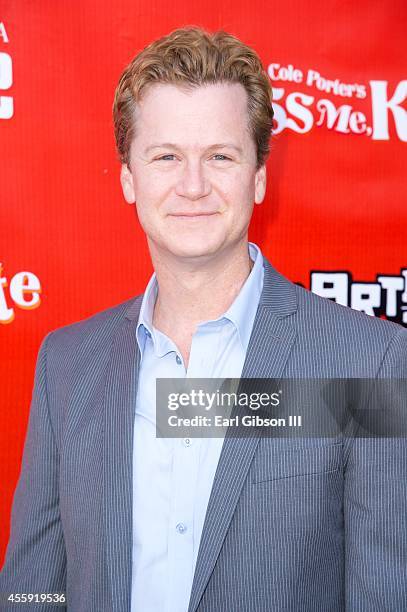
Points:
[[193, 169]]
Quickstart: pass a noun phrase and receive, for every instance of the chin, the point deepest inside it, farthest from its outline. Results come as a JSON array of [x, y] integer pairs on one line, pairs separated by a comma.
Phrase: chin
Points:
[[192, 248]]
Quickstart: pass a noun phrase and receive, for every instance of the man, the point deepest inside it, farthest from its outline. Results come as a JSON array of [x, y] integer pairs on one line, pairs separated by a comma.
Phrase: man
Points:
[[121, 520]]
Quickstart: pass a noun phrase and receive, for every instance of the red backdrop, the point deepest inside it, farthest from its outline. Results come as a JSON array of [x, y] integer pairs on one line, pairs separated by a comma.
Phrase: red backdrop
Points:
[[70, 246]]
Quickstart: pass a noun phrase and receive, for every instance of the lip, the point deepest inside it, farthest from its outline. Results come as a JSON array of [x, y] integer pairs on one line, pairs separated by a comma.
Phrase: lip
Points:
[[194, 214]]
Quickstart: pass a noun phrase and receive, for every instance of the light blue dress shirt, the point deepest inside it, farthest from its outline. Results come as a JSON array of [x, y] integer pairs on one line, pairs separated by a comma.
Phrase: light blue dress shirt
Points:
[[173, 477]]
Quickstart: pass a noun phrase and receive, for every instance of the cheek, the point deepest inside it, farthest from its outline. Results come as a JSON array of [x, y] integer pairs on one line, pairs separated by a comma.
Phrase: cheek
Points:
[[150, 200], [239, 194], [236, 182], [147, 214], [151, 189]]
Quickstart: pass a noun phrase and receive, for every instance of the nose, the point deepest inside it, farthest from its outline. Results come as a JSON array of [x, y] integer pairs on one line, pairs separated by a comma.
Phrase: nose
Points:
[[192, 182]]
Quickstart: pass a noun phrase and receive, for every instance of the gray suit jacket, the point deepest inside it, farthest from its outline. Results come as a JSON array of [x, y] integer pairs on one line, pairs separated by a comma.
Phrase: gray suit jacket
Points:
[[318, 525]]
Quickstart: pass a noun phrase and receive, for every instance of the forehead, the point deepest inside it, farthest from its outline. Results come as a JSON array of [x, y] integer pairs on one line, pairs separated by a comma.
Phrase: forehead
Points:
[[210, 111]]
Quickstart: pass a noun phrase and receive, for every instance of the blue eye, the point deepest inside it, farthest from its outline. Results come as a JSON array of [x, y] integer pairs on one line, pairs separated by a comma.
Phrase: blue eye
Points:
[[172, 157], [164, 157]]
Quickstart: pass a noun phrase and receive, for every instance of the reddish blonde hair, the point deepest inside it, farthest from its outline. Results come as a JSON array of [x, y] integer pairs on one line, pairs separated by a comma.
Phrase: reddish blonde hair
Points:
[[190, 57]]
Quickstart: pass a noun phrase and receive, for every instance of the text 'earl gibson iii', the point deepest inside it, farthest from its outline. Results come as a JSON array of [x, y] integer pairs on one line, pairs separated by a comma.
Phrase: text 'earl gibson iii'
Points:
[[236, 421]]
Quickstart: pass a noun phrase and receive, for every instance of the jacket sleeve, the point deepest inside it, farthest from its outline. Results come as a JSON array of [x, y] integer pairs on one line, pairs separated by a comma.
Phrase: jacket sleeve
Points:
[[35, 558], [375, 509]]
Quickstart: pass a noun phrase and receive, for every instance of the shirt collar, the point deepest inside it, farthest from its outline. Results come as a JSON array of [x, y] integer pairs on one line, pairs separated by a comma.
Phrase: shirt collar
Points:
[[145, 320], [243, 309], [241, 312]]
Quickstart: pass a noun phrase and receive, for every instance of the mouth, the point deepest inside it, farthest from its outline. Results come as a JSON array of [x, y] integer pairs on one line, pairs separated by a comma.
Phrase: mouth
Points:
[[192, 215]]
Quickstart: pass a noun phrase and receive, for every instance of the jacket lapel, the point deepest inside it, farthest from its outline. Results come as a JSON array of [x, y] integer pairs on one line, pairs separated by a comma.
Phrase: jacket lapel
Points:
[[270, 344], [119, 408]]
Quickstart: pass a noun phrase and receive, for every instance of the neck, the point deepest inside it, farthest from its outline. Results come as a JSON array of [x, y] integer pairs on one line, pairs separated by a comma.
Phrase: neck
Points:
[[190, 292]]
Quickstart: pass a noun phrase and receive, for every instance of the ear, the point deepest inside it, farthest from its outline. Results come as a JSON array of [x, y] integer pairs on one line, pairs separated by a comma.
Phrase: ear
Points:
[[126, 180], [260, 185]]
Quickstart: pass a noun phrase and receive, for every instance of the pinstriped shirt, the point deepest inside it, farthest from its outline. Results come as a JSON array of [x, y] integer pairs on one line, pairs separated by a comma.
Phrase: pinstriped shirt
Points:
[[173, 477]]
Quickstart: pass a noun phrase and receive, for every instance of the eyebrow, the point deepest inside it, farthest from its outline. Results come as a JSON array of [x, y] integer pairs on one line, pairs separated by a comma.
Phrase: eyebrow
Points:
[[171, 145]]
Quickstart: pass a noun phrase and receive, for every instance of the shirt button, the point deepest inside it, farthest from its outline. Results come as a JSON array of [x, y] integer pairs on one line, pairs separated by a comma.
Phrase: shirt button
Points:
[[187, 442], [148, 333], [181, 528], [178, 359]]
